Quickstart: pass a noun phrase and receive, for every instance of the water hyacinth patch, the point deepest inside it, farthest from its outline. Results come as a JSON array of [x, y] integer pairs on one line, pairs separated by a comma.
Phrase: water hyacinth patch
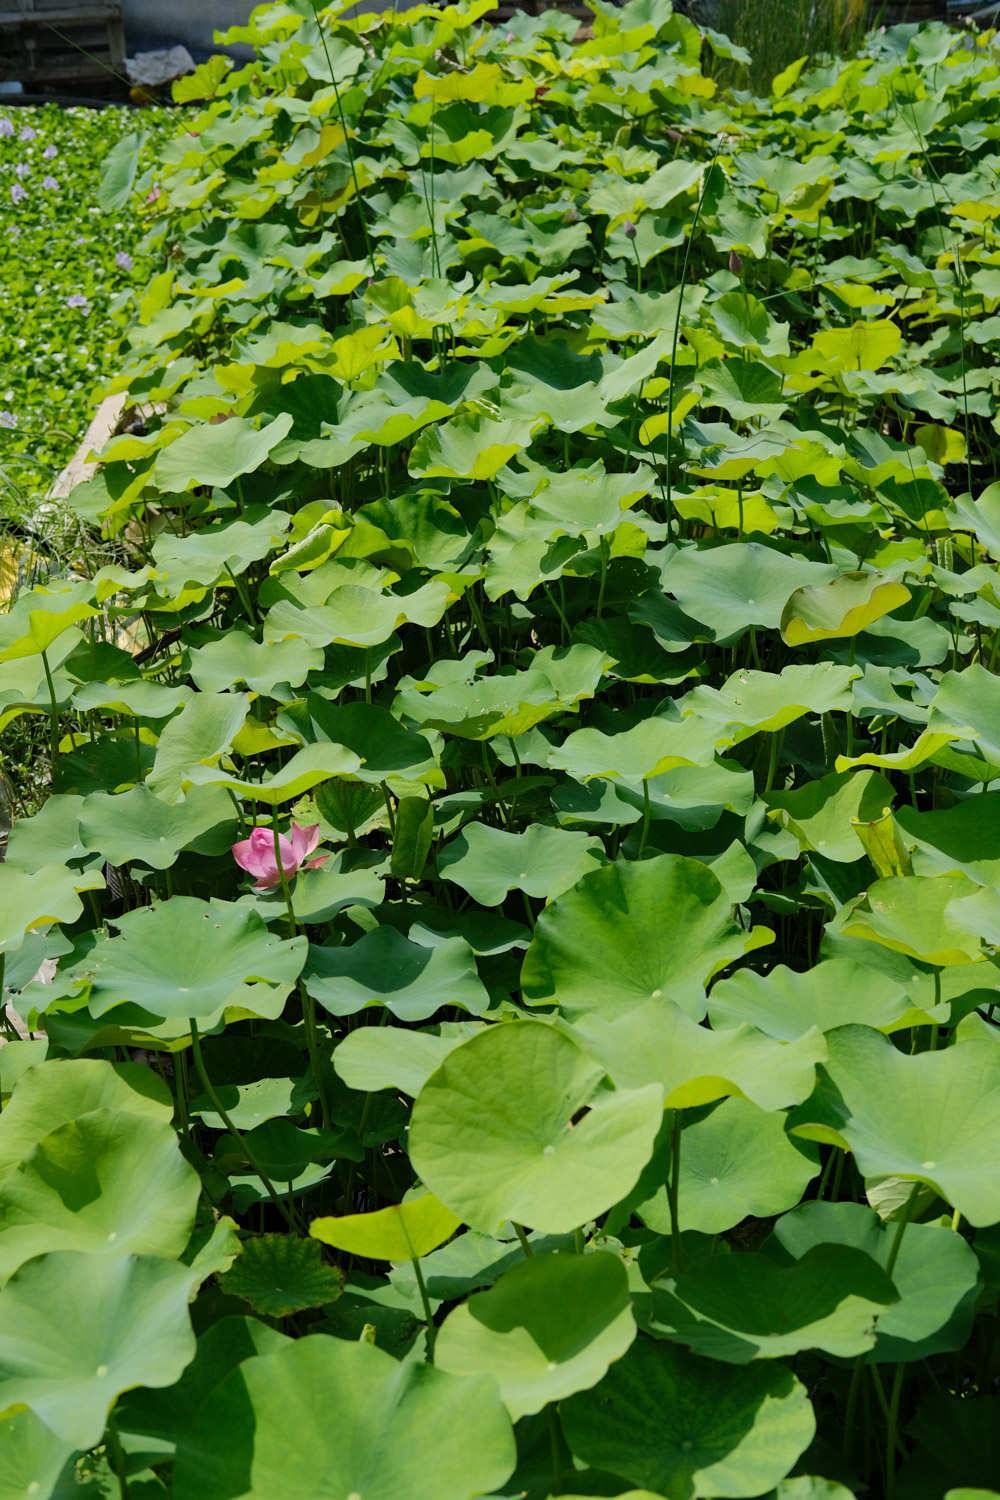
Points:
[[50, 179], [501, 988]]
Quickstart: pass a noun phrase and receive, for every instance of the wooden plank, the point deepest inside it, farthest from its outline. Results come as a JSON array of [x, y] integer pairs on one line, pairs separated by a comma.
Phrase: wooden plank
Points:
[[105, 10], [104, 426]]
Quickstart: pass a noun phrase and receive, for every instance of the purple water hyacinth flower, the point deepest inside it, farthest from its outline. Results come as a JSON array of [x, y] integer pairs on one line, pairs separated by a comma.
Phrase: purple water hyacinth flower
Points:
[[17, 193], [7, 419], [77, 300], [50, 182], [123, 261], [6, 128], [27, 134], [50, 153], [22, 169]]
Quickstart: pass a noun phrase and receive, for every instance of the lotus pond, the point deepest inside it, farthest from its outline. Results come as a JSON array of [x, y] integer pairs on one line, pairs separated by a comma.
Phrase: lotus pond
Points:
[[501, 993]]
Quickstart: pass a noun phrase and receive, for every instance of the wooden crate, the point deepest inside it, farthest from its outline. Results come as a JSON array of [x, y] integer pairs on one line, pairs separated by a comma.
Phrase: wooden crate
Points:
[[53, 42]]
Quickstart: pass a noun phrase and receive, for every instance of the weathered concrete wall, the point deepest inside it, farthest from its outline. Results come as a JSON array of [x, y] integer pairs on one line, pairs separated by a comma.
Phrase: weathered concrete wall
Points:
[[157, 23]]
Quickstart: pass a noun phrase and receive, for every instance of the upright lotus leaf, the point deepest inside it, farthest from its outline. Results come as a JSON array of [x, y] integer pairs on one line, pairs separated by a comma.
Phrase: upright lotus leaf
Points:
[[32, 1457], [684, 1426], [736, 1162], [186, 566], [745, 1306], [216, 454], [470, 446], [383, 745], [454, 698], [354, 614], [411, 979], [549, 1327], [656, 1042], [109, 1182], [965, 837], [262, 666], [751, 702], [821, 813], [309, 767], [643, 752], [863, 346], [198, 737], [137, 825], [923, 916], [839, 991], [929, 1117], [738, 585], [845, 606], [366, 1426], [40, 616], [970, 700], [61, 1092], [77, 1329], [936, 1274], [543, 862], [33, 900], [412, 836], [186, 957], [632, 932], [382, 1057], [493, 1135], [403, 1231]]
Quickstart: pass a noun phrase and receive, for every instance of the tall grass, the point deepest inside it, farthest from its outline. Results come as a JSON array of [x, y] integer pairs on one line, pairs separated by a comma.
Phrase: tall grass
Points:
[[776, 32]]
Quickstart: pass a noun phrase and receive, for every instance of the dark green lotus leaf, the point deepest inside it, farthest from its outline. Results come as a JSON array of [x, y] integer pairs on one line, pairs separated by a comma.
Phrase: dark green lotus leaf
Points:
[[633, 932], [493, 1135], [685, 1426], [385, 968], [549, 1327], [379, 1428], [936, 1274], [279, 1274], [456, 699], [741, 1307], [382, 744], [965, 838]]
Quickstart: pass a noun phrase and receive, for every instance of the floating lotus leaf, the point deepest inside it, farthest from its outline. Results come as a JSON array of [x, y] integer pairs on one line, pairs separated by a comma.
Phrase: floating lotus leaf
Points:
[[279, 1274]]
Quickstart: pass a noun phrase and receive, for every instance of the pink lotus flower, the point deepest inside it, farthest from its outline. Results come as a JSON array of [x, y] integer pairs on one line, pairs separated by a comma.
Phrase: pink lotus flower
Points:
[[256, 854]]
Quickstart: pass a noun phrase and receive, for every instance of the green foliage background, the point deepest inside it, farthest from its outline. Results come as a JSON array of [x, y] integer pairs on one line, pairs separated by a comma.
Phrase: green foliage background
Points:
[[569, 492]]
